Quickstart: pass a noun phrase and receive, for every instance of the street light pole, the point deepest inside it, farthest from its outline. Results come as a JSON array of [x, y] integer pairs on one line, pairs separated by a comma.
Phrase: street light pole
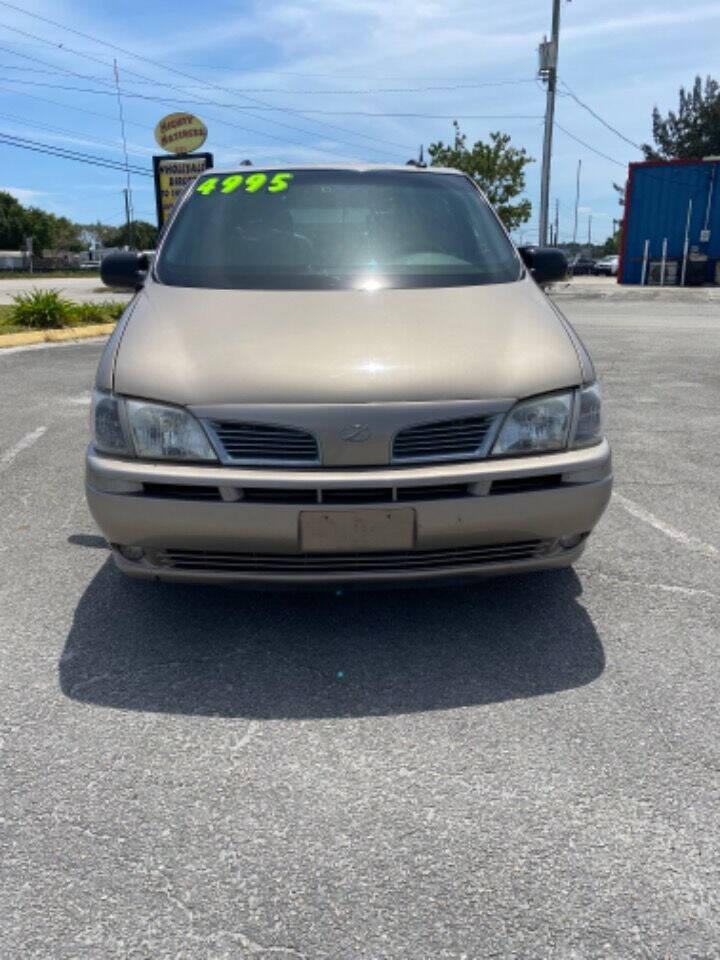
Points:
[[128, 227], [577, 200], [548, 70]]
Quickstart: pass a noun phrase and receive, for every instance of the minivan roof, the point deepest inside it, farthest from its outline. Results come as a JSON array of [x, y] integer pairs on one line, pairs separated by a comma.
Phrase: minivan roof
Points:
[[409, 168]]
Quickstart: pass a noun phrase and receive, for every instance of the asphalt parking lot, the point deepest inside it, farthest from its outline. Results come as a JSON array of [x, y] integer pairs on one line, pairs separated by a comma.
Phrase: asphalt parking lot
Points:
[[526, 768], [82, 289]]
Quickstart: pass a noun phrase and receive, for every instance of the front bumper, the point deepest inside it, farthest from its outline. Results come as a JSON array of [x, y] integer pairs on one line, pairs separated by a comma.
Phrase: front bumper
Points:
[[221, 524]]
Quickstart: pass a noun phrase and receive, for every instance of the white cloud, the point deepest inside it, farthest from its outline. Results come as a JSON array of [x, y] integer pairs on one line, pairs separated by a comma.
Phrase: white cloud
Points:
[[609, 55], [25, 195]]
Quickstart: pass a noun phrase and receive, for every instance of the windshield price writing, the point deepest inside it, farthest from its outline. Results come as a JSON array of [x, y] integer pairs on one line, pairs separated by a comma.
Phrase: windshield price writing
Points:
[[252, 183]]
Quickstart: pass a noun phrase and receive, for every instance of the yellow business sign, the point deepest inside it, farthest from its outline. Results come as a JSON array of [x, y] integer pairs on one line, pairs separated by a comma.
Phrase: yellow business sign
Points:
[[181, 133], [172, 175]]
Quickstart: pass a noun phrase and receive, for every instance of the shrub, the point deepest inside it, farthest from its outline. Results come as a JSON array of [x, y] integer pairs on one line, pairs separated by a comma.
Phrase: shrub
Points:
[[87, 313], [114, 310], [41, 309], [104, 312]]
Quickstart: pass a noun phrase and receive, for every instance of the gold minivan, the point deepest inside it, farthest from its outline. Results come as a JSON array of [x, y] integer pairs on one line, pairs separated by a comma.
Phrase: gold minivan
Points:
[[333, 374]]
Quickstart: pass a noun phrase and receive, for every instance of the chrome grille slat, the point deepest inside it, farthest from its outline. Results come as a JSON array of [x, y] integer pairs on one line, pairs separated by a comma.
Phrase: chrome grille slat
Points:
[[444, 440], [442, 435], [444, 444], [265, 442], [352, 562], [451, 428]]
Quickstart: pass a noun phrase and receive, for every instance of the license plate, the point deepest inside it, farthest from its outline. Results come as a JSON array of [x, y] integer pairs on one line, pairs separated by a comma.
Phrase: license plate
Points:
[[356, 531]]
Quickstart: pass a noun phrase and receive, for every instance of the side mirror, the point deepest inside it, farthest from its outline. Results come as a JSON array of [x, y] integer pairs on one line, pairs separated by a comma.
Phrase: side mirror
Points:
[[124, 270], [546, 264]]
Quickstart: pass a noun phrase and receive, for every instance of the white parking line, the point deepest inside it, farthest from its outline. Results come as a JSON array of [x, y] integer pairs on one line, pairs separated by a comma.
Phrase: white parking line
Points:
[[691, 543], [27, 441]]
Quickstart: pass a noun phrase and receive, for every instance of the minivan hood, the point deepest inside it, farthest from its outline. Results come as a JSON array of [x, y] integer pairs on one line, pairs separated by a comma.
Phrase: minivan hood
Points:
[[198, 346]]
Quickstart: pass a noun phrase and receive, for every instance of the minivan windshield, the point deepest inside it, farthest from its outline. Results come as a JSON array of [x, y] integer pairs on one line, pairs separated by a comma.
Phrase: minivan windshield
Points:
[[317, 229]]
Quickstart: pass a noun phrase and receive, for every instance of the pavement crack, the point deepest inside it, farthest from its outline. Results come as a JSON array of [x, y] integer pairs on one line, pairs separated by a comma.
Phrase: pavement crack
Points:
[[652, 585], [247, 736], [149, 668], [252, 947]]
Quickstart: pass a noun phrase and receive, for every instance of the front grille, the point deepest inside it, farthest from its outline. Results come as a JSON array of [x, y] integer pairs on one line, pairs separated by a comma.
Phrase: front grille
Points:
[[446, 440], [181, 491], [439, 491], [545, 481], [360, 495], [265, 443], [350, 496], [351, 562], [279, 495]]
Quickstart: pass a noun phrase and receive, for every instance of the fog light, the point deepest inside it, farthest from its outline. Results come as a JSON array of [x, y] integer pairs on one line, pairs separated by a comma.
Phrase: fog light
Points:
[[131, 553], [567, 543]]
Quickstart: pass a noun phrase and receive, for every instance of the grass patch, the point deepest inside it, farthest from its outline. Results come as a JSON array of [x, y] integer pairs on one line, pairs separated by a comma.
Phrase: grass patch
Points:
[[47, 310]]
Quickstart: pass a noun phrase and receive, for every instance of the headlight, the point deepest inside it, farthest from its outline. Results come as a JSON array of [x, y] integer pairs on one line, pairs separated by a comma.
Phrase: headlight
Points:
[[589, 425], [543, 424], [166, 433], [536, 426], [108, 431], [152, 431]]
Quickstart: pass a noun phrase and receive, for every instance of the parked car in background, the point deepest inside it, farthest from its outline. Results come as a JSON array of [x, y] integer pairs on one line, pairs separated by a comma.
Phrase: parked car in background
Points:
[[343, 374], [581, 265], [608, 266]]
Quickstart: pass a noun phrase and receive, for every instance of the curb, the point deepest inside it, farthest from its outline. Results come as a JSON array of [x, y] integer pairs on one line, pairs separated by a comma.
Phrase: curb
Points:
[[55, 336], [632, 292]]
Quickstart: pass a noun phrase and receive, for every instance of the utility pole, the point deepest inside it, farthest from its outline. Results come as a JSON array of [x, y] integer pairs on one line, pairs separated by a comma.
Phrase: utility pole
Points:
[[548, 71], [577, 199], [126, 194], [128, 190], [557, 220]]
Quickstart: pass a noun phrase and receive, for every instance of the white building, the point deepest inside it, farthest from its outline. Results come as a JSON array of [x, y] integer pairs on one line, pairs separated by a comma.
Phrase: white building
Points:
[[12, 260]]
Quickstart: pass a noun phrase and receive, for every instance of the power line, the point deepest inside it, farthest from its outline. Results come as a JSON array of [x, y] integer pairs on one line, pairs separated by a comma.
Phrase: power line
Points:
[[69, 106], [173, 70], [597, 116], [430, 116], [443, 88], [333, 113], [34, 124], [105, 116], [166, 102], [185, 100], [171, 102], [338, 76], [39, 147], [91, 113], [288, 91], [588, 147]]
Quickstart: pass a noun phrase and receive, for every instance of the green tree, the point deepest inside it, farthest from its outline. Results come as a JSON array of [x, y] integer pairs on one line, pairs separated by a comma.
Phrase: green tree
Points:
[[142, 235], [611, 245], [12, 215], [18, 222], [65, 235], [39, 225], [692, 132], [497, 167]]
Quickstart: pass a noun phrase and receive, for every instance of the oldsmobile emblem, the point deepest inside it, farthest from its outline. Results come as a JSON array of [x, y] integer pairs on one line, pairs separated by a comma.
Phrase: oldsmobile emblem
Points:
[[356, 433]]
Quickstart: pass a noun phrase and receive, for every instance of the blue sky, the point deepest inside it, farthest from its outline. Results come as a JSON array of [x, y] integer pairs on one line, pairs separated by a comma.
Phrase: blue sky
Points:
[[323, 71]]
